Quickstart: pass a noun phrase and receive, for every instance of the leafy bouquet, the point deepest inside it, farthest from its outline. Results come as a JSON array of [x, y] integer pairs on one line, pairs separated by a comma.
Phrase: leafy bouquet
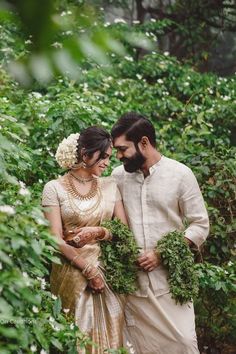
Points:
[[119, 257], [178, 259]]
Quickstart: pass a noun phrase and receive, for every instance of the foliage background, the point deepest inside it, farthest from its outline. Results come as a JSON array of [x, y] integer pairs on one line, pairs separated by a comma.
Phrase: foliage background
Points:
[[194, 115]]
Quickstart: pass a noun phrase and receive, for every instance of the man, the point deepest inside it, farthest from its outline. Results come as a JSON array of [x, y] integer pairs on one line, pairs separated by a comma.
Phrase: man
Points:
[[159, 195]]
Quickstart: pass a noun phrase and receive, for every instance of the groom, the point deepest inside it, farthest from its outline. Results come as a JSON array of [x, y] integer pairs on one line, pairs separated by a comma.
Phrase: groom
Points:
[[159, 194]]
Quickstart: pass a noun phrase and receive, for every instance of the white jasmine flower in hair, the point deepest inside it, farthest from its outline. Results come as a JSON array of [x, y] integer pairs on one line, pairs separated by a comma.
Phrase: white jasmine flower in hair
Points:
[[66, 154]]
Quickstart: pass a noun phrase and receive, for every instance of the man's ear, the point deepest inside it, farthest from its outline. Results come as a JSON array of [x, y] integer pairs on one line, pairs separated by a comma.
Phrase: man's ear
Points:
[[144, 143]]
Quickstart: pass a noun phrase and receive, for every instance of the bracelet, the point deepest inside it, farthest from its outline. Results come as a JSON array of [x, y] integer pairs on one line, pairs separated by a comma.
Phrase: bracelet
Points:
[[74, 258], [106, 235], [87, 269], [93, 276]]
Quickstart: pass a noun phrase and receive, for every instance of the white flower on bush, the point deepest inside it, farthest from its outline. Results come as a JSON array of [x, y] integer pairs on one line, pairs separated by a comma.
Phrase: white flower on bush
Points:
[[7, 209], [23, 190], [119, 20], [36, 95], [42, 351], [33, 348], [35, 309], [66, 154], [72, 326], [160, 81], [66, 310], [55, 327], [129, 58], [54, 297]]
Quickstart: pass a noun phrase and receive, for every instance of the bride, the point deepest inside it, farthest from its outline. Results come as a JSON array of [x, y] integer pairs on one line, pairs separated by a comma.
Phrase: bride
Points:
[[75, 205]]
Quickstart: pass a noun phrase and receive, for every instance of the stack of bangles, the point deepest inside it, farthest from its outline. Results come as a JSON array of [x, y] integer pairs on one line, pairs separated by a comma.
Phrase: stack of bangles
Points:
[[103, 234], [90, 271]]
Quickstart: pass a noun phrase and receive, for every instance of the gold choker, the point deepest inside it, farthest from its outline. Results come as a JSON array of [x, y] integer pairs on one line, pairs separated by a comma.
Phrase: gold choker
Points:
[[81, 179]]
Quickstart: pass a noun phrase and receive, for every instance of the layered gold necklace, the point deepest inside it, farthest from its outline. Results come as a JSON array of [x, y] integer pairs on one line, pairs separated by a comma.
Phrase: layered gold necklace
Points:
[[74, 191], [73, 194]]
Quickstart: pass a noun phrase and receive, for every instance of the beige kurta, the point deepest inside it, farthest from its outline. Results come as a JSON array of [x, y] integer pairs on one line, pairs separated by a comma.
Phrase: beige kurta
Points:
[[162, 202], [100, 316]]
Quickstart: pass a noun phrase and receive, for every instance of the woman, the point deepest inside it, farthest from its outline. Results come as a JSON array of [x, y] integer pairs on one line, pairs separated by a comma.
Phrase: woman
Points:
[[76, 204]]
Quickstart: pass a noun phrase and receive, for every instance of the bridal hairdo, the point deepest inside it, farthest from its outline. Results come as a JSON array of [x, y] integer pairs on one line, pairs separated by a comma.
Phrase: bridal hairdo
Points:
[[66, 155]]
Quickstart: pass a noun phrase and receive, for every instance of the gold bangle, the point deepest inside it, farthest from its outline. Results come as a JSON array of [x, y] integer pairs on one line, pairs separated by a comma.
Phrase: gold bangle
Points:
[[93, 276], [87, 269], [74, 258], [106, 234]]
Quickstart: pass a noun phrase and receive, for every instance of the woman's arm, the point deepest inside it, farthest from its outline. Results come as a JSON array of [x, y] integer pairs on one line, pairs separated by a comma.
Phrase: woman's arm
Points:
[[95, 281], [54, 217], [119, 212]]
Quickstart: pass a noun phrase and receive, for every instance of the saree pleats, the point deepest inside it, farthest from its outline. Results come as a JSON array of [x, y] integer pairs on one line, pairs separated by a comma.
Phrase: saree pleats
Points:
[[100, 316]]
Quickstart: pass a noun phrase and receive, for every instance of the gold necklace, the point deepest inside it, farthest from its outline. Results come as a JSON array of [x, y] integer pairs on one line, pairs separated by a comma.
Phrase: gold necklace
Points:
[[74, 191], [81, 179], [80, 213]]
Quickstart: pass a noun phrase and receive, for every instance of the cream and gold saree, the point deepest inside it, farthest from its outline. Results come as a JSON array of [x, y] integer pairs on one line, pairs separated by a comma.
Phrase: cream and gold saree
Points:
[[100, 316]]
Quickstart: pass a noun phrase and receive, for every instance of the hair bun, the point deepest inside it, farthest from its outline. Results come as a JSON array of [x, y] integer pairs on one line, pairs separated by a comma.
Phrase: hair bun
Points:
[[66, 155]]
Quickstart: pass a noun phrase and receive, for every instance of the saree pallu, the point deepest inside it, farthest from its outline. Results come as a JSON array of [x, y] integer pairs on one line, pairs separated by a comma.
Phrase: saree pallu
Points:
[[100, 316]]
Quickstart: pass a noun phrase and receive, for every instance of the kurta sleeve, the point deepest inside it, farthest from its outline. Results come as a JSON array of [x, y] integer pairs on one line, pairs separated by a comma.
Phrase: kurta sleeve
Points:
[[50, 195], [192, 208]]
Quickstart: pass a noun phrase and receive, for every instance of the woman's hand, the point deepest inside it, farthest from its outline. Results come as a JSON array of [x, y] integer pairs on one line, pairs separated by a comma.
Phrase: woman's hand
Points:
[[84, 235], [97, 284]]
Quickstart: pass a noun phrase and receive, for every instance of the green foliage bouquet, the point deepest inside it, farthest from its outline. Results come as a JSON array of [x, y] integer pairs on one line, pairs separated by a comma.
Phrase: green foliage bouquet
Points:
[[119, 258], [178, 259]]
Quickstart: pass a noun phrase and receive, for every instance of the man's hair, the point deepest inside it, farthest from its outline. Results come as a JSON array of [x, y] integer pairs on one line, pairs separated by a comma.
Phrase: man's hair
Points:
[[134, 126]]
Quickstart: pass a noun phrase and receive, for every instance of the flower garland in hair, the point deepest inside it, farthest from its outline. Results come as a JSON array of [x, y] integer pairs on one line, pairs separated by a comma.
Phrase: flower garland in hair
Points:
[[66, 155]]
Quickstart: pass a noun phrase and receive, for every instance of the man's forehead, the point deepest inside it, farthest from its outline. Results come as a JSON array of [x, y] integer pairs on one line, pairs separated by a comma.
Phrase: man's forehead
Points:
[[121, 141]]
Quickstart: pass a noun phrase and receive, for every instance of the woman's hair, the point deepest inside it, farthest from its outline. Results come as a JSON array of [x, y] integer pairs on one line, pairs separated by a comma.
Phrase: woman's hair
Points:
[[91, 140], [134, 126]]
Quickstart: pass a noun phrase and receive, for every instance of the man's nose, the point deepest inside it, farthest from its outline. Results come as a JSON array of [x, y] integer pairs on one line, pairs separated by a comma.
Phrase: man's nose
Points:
[[119, 155]]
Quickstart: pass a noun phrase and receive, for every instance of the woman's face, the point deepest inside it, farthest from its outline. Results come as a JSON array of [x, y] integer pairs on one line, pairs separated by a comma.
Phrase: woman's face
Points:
[[98, 168]]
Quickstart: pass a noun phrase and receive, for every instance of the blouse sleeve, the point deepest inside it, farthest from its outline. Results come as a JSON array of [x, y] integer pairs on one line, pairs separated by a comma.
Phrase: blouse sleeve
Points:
[[50, 195]]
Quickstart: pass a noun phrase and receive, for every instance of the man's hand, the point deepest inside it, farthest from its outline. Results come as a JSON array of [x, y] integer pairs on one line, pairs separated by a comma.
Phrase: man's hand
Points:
[[149, 260]]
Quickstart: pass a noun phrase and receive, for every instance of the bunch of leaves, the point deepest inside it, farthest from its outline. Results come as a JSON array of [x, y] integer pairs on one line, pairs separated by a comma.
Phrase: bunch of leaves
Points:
[[215, 306], [30, 318], [178, 259], [119, 257]]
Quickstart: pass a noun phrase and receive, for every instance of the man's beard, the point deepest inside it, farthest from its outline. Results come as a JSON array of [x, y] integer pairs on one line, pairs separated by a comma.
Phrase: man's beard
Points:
[[133, 163]]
